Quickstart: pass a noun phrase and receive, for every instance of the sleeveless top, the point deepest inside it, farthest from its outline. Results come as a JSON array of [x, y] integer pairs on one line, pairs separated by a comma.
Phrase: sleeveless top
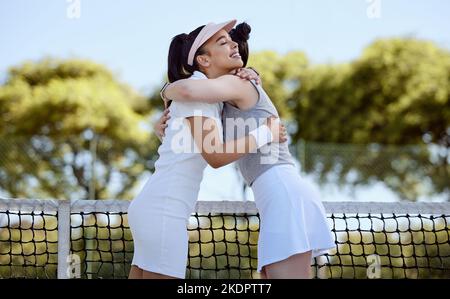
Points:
[[238, 123]]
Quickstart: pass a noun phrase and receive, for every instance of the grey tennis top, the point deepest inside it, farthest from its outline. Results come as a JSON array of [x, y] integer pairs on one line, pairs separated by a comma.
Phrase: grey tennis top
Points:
[[238, 123]]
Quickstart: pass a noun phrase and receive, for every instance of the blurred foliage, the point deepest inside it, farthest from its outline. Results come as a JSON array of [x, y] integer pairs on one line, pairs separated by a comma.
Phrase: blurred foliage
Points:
[[280, 76], [396, 93], [410, 172], [60, 115], [384, 117], [154, 99]]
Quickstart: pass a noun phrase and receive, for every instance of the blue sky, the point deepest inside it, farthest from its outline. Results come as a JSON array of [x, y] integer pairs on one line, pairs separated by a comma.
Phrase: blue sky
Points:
[[132, 38]]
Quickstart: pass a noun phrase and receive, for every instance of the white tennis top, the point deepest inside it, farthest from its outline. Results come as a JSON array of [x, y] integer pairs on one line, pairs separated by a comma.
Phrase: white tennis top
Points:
[[179, 168]]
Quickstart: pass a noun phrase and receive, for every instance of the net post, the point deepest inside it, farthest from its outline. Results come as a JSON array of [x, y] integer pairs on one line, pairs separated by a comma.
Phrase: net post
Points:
[[63, 238], [301, 147]]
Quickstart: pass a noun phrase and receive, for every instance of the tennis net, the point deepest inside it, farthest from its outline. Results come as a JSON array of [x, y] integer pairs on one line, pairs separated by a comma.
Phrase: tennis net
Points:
[[92, 239]]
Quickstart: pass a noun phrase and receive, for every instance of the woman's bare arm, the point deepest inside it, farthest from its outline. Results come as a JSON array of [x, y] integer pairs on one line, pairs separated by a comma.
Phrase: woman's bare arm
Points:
[[221, 89], [224, 88], [218, 154]]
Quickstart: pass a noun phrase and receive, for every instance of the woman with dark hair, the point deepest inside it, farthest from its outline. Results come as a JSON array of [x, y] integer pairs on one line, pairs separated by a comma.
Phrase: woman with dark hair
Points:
[[293, 226], [159, 214]]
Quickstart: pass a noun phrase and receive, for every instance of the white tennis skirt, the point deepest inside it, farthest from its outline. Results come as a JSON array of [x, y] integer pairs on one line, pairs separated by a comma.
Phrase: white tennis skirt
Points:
[[293, 218], [158, 219]]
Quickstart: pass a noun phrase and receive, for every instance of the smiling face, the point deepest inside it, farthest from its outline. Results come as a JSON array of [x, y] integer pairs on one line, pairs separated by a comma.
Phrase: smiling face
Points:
[[222, 54]]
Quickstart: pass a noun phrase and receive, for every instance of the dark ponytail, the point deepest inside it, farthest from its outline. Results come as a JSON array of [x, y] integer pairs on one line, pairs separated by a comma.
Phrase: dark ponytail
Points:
[[178, 67], [240, 35]]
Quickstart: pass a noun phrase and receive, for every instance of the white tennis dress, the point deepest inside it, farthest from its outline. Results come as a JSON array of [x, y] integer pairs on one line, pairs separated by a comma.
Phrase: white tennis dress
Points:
[[159, 214], [293, 218]]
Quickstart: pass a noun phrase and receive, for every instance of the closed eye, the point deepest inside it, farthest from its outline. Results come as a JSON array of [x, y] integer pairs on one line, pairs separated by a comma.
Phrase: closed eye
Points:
[[225, 39], [226, 42]]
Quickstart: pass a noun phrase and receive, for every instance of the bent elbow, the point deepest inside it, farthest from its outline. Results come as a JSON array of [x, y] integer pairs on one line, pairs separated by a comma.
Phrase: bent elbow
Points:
[[213, 161], [185, 92], [178, 91], [214, 164], [218, 165]]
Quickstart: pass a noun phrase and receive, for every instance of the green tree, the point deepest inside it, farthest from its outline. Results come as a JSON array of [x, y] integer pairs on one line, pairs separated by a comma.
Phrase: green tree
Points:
[[280, 75], [396, 93], [71, 130]]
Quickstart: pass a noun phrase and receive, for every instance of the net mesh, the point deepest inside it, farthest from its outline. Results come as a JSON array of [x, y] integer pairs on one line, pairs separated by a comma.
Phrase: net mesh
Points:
[[103, 242], [28, 244], [372, 240]]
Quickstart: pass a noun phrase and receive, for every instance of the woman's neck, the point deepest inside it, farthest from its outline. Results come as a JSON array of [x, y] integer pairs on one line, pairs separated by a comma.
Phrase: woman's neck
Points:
[[213, 74]]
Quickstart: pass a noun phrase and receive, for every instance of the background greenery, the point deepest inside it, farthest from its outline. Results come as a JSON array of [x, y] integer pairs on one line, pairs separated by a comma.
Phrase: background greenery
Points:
[[71, 130]]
